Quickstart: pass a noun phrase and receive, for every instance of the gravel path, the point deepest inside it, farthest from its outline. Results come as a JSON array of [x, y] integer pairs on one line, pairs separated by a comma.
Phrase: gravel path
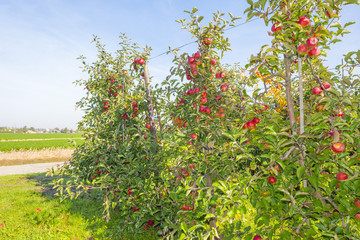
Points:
[[28, 168]]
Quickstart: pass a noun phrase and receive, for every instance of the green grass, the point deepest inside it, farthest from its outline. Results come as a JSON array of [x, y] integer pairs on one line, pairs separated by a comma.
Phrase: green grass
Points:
[[22, 195], [12, 136], [41, 144]]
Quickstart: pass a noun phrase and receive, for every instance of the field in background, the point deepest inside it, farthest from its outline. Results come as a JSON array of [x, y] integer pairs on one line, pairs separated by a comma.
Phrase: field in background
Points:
[[41, 144], [18, 141], [13, 136], [17, 148]]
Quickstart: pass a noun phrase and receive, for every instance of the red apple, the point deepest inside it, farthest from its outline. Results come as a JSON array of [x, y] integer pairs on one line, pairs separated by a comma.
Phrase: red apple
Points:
[[275, 27], [326, 85], [224, 87], [314, 51], [340, 114], [213, 62], [197, 55], [136, 61], [129, 191], [316, 90], [184, 172], [357, 202], [186, 207], [357, 216], [193, 66], [141, 61], [191, 60], [338, 147], [256, 120], [341, 176], [207, 41], [125, 116], [222, 75], [195, 72], [257, 237], [330, 15], [147, 125], [304, 21], [272, 180], [208, 110], [312, 42], [302, 49], [188, 77], [193, 136], [319, 107], [151, 222], [203, 100], [250, 125]]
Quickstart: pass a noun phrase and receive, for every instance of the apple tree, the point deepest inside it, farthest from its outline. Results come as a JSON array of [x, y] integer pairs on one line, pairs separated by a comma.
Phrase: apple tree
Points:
[[305, 180]]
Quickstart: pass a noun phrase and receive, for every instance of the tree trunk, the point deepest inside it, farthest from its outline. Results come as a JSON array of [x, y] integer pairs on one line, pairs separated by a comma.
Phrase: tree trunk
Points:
[[289, 99], [212, 209], [150, 102], [302, 124]]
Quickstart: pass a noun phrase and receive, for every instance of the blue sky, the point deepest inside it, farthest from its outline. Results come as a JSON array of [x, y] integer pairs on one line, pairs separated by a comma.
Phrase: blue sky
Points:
[[41, 39]]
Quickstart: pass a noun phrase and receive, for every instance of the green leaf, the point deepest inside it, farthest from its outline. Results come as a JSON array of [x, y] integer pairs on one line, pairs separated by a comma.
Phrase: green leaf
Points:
[[209, 215], [357, 2], [183, 236], [184, 227], [300, 172], [228, 135], [336, 24], [250, 2], [314, 181]]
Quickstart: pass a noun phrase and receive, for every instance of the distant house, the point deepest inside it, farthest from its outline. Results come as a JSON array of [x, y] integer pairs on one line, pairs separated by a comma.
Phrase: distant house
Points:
[[29, 131]]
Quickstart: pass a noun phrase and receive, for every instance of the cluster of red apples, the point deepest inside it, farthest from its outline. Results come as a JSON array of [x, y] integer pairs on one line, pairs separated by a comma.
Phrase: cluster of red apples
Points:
[[310, 47], [140, 61], [251, 124]]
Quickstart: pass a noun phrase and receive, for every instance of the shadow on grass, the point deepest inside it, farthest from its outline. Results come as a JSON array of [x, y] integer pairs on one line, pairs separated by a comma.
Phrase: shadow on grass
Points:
[[90, 207]]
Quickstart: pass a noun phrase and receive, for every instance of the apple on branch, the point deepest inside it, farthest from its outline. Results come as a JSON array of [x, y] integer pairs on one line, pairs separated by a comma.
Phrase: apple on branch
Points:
[[304, 21]]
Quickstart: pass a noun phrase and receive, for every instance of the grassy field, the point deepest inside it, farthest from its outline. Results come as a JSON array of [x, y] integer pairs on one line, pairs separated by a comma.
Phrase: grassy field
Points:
[[29, 210], [41, 144], [12, 136], [15, 142]]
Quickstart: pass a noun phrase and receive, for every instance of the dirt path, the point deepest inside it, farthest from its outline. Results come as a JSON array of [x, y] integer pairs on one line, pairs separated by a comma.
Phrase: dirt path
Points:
[[28, 168]]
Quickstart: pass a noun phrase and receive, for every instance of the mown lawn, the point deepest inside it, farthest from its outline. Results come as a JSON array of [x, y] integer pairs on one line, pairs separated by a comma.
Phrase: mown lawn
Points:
[[29, 210]]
